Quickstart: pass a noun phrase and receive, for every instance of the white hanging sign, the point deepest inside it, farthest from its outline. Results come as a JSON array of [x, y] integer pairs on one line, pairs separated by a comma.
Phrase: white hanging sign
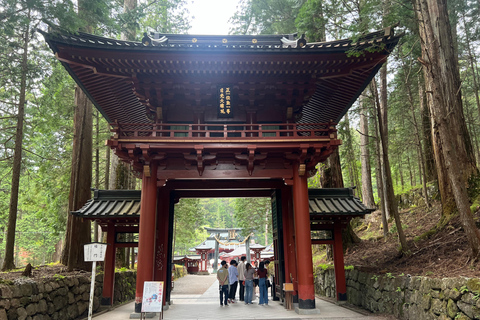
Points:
[[94, 251]]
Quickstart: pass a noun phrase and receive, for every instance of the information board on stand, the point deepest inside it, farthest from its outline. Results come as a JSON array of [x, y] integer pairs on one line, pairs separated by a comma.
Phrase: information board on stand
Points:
[[153, 297]]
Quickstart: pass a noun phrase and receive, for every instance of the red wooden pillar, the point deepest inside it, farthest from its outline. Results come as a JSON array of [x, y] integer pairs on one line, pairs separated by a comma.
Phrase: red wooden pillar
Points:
[[306, 289], [146, 233], [109, 268], [338, 262], [289, 240], [161, 238]]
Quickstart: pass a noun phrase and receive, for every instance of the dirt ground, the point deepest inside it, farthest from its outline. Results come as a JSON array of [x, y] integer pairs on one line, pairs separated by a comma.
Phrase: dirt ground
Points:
[[443, 254]]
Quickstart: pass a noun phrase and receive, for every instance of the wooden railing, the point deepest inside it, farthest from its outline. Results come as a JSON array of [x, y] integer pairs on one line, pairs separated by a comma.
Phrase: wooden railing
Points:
[[267, 131]]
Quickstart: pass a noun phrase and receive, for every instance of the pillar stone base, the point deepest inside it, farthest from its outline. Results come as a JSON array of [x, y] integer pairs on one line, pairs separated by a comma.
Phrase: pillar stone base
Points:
[[106, 301], [307, 311]]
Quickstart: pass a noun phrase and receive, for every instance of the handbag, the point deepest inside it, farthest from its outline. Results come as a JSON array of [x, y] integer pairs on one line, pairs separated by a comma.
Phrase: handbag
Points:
[[268, 284]]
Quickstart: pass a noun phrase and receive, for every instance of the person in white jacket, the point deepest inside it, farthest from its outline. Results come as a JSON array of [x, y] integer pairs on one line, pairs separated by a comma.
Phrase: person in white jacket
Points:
[[241, 277]]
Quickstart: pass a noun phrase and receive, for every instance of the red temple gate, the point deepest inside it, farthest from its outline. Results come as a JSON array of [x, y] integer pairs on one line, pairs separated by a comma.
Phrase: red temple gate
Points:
[[215, 116]]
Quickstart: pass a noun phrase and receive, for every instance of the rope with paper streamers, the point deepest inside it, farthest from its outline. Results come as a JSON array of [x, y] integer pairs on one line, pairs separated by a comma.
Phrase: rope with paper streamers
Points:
[[233, 243]]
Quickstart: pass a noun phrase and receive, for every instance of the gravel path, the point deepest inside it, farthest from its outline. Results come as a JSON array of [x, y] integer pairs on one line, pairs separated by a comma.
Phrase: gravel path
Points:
[[193, 284]]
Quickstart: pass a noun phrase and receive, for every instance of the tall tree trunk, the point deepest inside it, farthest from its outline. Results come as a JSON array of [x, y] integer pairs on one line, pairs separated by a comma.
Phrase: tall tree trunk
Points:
[[378, 169], [122, 172], [472, 129], [97, 167], [471, 60], [107, 166], [400, 169], [367, 190], [78, 230], [383, 123], [430, 168], [391, 201], [412, 174], [335, 180], [442, 74], [418, 139], [8, 262], [352, 167]]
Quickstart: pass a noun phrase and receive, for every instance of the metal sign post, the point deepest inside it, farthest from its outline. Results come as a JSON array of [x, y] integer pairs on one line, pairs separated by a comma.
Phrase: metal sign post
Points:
[[94, 252]]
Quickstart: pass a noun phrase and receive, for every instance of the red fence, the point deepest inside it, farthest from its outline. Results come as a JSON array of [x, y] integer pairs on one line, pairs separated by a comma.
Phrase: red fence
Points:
[[226, 131]]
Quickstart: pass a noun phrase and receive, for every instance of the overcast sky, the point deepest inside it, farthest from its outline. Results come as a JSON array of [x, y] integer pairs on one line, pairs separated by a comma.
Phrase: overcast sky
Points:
[[211, 16]]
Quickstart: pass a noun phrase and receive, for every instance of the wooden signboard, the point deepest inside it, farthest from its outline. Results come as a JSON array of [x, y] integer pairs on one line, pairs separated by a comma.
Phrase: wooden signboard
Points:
[[153, 297]]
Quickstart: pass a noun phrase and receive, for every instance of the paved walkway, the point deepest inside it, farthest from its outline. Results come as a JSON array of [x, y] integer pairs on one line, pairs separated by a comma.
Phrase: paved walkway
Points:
[[206, 305]]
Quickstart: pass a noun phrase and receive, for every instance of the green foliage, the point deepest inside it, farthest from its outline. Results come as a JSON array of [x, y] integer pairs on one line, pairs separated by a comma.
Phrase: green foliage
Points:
[[166, 16], [58, 277], [266, 16], [324, 267], [254, 215], [189, 221], [393, 228]]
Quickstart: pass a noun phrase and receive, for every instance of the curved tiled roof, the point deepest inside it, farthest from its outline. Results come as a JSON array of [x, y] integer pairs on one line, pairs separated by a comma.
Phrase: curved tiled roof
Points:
[[335, 202], [126, 204], [320, 80], [111, 204]]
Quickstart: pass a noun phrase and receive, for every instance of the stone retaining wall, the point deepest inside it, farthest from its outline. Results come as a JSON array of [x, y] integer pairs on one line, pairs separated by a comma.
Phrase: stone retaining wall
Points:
[[60, 298], [415, 298]]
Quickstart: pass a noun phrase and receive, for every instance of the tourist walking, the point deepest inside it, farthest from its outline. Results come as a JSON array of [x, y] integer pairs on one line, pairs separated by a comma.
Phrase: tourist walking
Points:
[[255, 280], [249, 273], [233, 280], [262, 283], [241, 278], [222, 276]]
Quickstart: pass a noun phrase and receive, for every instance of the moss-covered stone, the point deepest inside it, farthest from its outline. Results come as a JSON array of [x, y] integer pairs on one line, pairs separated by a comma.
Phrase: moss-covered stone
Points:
[[438, 306], [473, 285], [426, 301], [452, 308]]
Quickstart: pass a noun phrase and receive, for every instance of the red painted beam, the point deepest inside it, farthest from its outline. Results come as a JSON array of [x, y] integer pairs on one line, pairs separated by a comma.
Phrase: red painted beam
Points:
[[225, 174], [127, 245], [323, 242], [222, 193], [206, 184]]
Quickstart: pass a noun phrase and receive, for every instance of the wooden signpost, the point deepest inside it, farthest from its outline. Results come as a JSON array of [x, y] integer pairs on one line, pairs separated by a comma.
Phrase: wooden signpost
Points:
[[94, 252]]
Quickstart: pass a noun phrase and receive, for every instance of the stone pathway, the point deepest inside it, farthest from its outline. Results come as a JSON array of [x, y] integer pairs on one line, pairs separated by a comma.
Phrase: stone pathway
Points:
[[190, 303]]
